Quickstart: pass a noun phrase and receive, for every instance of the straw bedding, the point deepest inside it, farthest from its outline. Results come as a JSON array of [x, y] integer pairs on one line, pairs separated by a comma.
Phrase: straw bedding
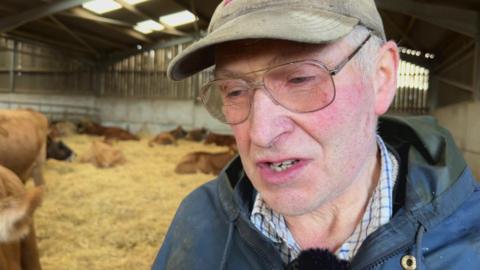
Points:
[[114, 218]]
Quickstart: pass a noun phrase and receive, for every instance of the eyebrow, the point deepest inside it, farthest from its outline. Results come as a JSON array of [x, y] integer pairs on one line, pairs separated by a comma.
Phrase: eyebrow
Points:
[[277, 60], [226, 73]]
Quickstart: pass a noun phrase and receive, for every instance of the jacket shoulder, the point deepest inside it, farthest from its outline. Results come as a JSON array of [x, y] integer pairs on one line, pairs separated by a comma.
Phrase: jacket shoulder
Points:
[[196, 232]]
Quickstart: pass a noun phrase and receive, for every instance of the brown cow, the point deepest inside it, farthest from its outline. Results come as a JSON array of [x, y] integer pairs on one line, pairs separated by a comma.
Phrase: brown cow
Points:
[[196, 135], [169, 137], [220, 139], [204, 162], [109, 132], [61, 129], [23, 143], [103, 155], [18, 245], [163, 139], [178, 133]]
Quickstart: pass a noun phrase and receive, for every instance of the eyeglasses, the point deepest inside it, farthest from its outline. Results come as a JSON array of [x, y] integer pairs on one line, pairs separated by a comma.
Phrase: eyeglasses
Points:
[[300, 86]]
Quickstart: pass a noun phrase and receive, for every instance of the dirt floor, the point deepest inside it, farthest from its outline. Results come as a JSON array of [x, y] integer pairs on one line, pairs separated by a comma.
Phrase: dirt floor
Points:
[[114, 218]]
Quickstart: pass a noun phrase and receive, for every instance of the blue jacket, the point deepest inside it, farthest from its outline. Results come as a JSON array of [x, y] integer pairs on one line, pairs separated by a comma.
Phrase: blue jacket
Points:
[[436, 213]]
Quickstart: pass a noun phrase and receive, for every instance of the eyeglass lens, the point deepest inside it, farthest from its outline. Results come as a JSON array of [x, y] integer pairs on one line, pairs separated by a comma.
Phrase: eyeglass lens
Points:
[[303, 86]]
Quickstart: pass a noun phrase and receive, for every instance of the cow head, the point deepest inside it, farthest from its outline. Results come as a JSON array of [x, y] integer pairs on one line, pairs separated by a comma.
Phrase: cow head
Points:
[[58, 150], [179, 132]]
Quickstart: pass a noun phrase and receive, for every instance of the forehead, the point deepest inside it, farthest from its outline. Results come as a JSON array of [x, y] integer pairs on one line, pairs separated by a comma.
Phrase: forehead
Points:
[[267, 52]]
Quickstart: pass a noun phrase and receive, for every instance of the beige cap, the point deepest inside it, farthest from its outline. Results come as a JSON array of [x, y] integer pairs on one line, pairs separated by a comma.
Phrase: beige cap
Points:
[[308, 21]]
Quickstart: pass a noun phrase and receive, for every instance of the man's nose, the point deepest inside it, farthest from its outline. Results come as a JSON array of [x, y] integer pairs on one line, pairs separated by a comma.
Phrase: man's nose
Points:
[[269, 121]]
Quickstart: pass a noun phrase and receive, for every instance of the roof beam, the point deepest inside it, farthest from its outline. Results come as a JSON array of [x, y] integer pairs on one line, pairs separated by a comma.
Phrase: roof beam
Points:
[[459, 85], [72, 34], [108, 23], [404, 35], [92, 37], [135, 10], [462, 21], [410, 25], [83, 14], [453, 58], [115, 57], [25, 36], [15, 20], [192, 9]]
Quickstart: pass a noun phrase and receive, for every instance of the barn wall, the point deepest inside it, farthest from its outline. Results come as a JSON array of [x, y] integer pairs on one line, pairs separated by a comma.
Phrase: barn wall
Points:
[[462, 121], [144, 75], [38, 69], [55, 106], [156, 115]]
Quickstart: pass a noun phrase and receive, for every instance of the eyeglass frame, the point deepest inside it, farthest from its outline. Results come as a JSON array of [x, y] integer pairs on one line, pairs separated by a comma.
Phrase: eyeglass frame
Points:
[[331, 71]]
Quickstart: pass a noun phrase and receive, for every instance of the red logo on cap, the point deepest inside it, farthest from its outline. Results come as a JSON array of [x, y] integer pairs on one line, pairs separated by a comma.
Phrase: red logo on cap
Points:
[[226, 2]]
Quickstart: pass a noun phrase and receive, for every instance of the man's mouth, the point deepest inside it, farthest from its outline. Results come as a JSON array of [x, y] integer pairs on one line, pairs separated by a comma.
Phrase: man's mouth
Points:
[[282, 166]]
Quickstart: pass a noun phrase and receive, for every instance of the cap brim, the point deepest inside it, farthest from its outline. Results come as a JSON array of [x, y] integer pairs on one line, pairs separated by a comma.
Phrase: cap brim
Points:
[[296, 24]]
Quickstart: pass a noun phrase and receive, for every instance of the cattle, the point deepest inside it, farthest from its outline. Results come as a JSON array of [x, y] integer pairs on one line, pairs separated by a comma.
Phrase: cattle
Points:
[[62, 129], [23, 143], [204, 162], [169, 137], [103, 155], [196, 135], [109, 133], [58, 150], [163, 139], [178, 133], [219, 139], [18, 244]]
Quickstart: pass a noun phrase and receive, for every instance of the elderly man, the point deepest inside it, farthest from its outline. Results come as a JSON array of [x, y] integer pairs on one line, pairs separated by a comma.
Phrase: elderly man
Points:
[[302, 85]]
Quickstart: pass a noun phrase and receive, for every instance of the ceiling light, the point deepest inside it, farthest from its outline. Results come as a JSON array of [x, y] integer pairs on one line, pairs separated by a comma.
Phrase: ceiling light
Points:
[[155, 26], [148, 26], [178, 18], [134, 2], [142, 30], [101, 6]]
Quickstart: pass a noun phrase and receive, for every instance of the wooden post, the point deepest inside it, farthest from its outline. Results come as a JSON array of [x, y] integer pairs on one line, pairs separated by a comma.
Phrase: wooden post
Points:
[[432, 94], [476, 71], [13, 66]]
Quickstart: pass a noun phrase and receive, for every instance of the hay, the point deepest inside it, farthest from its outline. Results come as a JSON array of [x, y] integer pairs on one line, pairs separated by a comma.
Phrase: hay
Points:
[[114, 218]]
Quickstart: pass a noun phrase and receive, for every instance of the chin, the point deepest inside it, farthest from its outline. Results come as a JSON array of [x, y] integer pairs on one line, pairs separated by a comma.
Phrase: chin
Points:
[[289, 204]]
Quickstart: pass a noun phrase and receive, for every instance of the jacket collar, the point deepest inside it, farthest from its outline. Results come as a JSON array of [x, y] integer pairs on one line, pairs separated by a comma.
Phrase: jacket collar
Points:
[[437, 179]]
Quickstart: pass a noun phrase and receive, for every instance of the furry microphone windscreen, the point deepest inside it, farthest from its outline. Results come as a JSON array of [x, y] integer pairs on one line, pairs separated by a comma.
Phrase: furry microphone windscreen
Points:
[[317, 259]]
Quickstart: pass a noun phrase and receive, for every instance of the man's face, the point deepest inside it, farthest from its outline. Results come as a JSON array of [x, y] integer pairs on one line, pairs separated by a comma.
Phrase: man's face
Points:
[[324, 152]]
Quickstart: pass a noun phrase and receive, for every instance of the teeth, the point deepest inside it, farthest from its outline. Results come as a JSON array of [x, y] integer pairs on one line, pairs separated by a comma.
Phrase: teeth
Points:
[[281, 166]]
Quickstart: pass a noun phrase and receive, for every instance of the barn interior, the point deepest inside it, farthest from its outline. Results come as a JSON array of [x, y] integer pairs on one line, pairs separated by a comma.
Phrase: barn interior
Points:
[[72, 60]]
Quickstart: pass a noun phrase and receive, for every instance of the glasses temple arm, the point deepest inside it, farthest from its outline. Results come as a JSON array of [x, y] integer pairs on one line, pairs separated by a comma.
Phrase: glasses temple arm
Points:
[[345, 61]]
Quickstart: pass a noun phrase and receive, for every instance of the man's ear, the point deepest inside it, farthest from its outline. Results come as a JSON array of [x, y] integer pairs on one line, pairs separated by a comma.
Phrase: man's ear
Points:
[[385, 76]]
